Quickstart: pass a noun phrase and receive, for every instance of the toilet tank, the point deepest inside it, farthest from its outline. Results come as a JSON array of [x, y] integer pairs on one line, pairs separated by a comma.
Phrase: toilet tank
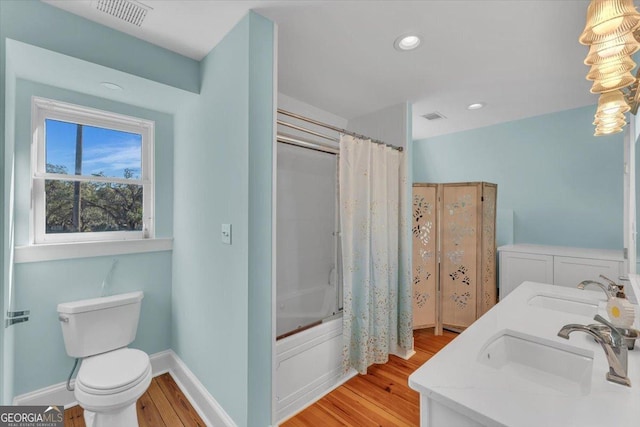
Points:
[[97, 325]]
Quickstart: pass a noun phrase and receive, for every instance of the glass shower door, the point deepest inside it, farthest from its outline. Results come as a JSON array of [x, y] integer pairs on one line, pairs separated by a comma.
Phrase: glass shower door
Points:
[[307, 288]]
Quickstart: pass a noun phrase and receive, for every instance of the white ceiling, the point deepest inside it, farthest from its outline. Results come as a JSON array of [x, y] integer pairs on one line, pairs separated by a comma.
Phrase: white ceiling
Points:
[[520, 57]]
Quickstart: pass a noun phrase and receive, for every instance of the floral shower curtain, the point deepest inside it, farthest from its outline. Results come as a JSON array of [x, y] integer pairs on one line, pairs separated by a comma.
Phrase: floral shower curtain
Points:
[[377, 292]]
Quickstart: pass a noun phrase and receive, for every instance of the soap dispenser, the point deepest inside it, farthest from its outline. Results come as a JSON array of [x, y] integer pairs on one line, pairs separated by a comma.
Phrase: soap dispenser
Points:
[[620, 310]]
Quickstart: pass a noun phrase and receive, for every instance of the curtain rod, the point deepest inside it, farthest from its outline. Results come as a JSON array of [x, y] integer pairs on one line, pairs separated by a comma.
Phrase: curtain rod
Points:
[[309, 131], [327, 126], [292, 140]]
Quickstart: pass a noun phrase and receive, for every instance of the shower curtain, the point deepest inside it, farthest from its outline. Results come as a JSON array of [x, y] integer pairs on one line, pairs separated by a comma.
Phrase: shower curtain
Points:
[[377, 292]]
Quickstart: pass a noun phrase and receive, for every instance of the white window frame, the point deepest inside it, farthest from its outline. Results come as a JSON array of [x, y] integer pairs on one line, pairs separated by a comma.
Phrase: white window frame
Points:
[[43, 109]]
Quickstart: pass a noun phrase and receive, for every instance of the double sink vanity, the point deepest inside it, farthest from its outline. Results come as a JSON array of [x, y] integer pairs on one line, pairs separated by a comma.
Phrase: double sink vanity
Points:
[[511, 367]]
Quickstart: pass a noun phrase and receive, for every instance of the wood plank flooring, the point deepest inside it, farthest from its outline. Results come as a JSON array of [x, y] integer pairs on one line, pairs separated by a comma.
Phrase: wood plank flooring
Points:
[[162, 405], [380, 398]]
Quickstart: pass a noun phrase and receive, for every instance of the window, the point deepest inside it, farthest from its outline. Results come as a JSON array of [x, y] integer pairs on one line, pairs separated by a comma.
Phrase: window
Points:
[[92, 174]]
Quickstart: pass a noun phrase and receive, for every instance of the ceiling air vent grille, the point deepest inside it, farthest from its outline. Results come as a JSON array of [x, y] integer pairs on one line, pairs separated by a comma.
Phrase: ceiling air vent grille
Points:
[[129, 11], [433, 116]]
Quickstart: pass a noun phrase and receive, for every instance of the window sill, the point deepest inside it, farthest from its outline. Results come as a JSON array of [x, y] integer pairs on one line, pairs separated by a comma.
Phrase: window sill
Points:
[[57, 251]]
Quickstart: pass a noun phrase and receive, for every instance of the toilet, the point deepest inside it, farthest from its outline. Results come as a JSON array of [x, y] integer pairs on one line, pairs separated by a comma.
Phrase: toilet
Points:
[[112, 377]]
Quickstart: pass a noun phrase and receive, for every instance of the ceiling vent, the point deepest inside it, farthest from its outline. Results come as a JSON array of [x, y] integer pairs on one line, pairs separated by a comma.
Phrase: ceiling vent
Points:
[[433, 116], [129, 11]]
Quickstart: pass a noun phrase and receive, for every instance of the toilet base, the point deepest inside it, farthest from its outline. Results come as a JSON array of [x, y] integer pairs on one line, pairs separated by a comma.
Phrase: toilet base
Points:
[[125, 417]]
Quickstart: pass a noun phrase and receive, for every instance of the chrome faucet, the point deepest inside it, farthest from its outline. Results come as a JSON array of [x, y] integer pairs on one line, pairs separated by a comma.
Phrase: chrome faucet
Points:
[[610, 290], [612, 284], [612, 343]]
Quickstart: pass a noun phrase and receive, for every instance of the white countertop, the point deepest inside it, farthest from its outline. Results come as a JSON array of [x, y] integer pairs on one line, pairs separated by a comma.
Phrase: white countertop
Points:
[[608, 254], [455, 378]]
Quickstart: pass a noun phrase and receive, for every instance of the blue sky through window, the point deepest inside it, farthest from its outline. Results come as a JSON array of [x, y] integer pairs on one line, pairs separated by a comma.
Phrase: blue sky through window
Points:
[[103, 150]]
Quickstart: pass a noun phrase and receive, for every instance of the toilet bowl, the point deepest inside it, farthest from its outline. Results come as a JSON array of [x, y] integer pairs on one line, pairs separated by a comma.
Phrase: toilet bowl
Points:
[[112, 377], [109, 384]]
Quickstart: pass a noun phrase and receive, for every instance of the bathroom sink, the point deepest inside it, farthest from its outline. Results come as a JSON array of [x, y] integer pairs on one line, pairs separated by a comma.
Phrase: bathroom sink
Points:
[[543, 362], [583, 307]]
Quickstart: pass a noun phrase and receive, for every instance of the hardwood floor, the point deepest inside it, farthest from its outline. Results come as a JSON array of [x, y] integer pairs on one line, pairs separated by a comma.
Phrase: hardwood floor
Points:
[[163, 405], [380, 398]]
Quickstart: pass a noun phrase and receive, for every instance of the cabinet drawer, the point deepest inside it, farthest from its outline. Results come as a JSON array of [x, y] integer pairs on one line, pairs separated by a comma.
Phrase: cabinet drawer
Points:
[[517, 267], [568, 271]]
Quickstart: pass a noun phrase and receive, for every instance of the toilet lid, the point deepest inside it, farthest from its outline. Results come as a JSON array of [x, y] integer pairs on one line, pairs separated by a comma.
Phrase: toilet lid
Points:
[[113, 370]]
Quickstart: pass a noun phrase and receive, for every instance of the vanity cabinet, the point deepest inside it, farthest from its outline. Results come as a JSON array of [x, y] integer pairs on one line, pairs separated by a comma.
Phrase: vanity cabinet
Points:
[[569, 271], [518, 267], [562, 266], [454, 253], [511, 369]]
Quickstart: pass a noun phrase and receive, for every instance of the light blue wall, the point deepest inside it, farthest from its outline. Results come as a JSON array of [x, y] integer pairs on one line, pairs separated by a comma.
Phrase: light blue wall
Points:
[[563, 184], [40, 357], [41, 286], [261, 87], [223, 175], [39, 24], [222, 163], [38, 350]]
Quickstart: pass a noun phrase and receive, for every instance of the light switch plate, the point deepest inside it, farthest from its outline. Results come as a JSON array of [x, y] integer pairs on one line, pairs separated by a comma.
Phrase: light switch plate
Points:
[[226, 234]]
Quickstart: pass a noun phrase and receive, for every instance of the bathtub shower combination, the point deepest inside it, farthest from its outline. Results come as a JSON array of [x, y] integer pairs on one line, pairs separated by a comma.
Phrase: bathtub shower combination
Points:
[[308, 288], [310, 329]]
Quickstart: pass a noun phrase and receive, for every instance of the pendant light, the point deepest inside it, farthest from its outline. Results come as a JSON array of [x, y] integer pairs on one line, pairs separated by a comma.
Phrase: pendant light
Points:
[[611, 121], [613, 82], [611, 67], [609, 18], [611, 48], [602, 132], [611, 103], [610, 34], [607, 121]]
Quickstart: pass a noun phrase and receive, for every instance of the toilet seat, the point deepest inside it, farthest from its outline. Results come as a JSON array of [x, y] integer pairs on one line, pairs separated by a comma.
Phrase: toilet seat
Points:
[[113, 372]]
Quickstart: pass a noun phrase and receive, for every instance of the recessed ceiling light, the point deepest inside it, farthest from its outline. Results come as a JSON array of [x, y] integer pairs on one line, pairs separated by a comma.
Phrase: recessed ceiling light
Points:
[[111, 86], [407, 42], [476, 105]]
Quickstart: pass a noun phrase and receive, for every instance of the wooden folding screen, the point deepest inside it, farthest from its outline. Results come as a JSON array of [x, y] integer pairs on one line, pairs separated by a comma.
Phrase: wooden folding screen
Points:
[[454, 253]]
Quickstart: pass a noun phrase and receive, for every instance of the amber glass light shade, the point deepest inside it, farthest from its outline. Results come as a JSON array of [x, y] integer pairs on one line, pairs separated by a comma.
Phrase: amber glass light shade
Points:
[[611, 131], [601, 119], [609, 114], [607, 18], [610, 122], [611, 48], [611, 67], [611, 103], [613, 82]]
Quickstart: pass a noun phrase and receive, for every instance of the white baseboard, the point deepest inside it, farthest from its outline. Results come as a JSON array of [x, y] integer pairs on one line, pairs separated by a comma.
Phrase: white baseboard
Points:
[[207, 407], [405, 354], [56, 394], [165, 361]]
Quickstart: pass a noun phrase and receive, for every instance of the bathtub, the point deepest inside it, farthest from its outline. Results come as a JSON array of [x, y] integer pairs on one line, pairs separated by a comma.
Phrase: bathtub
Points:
[[308, 366], [301, 308]]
